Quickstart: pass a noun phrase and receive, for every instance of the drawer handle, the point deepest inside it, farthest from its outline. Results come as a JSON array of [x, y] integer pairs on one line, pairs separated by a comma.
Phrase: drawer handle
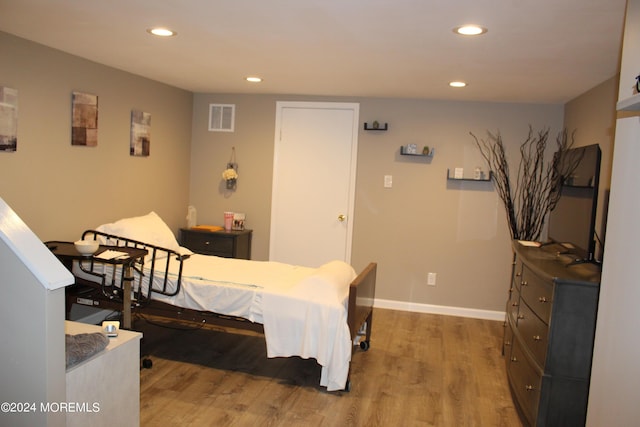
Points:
[[207, 243], [543, 299], [524, 283], [529, 387], [518, 274], [514, 359], [520, 316], [536, 338], [514, 304], [507, 343]]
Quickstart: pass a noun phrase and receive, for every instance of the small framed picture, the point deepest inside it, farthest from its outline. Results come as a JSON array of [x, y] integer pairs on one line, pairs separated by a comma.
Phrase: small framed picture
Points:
[[238, 221]]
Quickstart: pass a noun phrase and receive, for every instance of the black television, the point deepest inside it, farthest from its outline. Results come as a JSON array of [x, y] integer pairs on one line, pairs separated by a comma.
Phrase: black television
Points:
[[572, 221]]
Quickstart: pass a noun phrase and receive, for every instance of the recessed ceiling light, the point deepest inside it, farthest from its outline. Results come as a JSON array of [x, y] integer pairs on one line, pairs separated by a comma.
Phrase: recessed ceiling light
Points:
[[254, 79], [457, 84], [161, 32], [470, 30]]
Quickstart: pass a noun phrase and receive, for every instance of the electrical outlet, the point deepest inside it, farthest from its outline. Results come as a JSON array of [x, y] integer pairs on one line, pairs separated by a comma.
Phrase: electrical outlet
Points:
[[388, 181], [431, 279]]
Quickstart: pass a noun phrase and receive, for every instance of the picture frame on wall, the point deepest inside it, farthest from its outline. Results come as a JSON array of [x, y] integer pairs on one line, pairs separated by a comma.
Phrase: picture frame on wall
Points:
[[8, 119], [84, 127], [140, 144]]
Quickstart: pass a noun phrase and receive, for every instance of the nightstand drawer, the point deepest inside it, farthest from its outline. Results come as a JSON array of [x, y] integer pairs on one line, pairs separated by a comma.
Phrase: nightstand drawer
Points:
[[201, 242], [228, 244]]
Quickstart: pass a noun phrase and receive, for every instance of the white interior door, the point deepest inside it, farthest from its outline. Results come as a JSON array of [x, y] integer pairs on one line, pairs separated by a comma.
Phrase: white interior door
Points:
[[313, 182]]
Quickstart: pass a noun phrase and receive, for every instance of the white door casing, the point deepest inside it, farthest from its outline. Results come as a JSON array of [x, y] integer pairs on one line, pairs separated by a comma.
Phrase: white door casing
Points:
[[314, 173]]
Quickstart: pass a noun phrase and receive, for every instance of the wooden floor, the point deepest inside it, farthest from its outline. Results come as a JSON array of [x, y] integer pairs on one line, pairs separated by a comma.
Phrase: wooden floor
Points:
[[421, 370]]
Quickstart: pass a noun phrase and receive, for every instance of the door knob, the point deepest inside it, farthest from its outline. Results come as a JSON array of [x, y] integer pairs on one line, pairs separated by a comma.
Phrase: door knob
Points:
[[342, 217]]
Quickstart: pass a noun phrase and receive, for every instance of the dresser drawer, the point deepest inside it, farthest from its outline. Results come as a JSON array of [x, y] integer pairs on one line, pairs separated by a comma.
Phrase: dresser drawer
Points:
[[513, 303], [507, 342], [537, 294], [534, 333], [516, 280], [525, 381]]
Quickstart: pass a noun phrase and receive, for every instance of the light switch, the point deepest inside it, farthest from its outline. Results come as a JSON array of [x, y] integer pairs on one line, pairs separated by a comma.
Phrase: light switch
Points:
[[388, 181]]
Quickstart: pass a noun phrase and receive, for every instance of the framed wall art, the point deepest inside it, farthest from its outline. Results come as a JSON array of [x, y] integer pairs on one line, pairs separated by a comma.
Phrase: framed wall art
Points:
[[84, 127], [140, 144], [8, 119]]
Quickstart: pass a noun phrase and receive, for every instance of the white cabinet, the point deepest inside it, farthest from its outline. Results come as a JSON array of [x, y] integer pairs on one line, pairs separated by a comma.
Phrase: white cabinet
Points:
[[106, 387]]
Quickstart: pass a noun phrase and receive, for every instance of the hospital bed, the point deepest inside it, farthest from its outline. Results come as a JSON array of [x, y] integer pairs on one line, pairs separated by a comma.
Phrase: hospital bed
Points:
[[323, 313]]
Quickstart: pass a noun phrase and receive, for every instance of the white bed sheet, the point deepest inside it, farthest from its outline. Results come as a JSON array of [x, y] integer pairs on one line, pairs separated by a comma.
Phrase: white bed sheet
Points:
[[303, 310]]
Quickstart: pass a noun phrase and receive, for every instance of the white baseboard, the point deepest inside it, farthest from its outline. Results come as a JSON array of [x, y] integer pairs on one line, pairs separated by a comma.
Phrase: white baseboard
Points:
[[440, 309]]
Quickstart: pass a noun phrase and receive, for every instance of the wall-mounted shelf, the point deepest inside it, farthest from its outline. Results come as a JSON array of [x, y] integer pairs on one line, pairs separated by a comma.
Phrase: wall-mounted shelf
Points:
[[487, 177], [403, 152], [629, 104], [373, 126]]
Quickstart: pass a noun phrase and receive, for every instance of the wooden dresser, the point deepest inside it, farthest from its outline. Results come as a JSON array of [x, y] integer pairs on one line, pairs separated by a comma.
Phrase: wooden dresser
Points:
[[228, 244], [548, 342]]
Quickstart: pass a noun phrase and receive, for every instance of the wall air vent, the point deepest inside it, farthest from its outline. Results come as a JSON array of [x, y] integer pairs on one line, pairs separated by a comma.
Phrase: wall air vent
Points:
[[221, 117]]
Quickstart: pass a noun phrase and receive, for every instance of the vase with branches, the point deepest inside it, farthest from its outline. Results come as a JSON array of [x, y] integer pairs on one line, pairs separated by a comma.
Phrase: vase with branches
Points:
[[534, 190]]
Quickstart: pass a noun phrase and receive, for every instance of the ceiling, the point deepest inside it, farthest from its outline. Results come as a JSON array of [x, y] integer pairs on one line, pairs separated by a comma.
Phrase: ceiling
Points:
[[538, 51]]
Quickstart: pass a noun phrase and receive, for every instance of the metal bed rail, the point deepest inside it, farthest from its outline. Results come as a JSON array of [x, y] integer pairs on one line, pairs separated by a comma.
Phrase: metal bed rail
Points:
[[158, 257]]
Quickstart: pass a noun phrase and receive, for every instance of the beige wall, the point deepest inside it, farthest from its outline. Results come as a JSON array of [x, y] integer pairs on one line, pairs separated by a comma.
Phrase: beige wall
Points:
[[60, 190], [593, 116], [423, 224]]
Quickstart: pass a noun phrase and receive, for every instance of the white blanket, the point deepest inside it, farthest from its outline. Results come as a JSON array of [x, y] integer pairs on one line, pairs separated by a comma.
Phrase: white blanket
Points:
[[310, 320], [303, 310]]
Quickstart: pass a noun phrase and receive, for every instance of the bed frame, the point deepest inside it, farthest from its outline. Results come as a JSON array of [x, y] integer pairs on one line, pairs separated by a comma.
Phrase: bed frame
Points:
[[110, 295]]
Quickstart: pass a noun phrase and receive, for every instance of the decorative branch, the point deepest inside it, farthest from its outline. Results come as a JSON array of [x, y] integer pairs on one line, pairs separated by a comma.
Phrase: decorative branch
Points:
[[535, 192]]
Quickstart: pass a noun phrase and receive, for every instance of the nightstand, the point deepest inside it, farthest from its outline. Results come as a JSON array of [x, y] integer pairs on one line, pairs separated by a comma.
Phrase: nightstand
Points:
[[228, 244]]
